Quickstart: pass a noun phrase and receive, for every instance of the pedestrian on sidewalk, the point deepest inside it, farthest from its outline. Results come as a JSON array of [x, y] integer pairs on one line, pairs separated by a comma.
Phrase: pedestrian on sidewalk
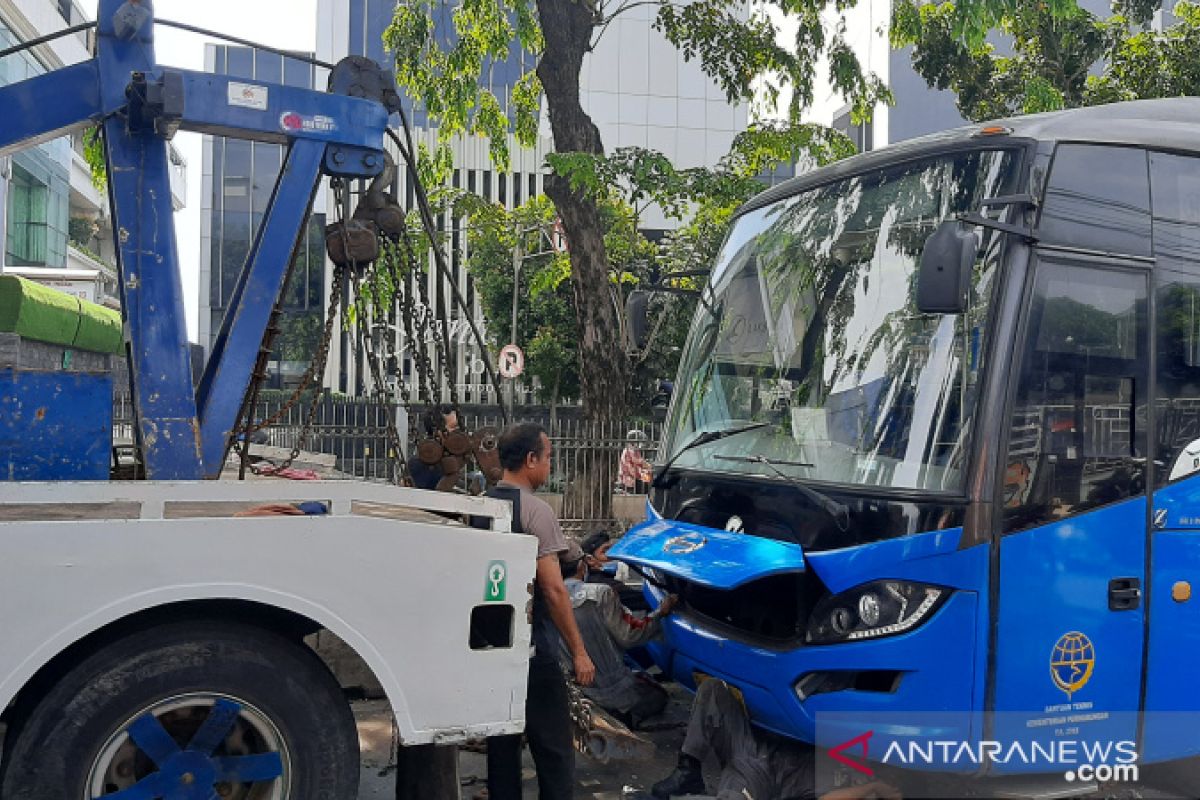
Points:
[[525, 453], [755, 765], [634, 470]]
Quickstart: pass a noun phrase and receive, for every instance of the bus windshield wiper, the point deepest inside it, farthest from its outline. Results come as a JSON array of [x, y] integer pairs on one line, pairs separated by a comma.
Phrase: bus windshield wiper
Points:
[[837, 511], [703, 438]]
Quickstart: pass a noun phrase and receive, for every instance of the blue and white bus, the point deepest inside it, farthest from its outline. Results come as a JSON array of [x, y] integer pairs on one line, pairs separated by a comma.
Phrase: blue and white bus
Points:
[[932, 465]]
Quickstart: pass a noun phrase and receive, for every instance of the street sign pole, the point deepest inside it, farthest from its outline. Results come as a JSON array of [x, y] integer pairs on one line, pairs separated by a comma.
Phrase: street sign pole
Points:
[[512, 364]]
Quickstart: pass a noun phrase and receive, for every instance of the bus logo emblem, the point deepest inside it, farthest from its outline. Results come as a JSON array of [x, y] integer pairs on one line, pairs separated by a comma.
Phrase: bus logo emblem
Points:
[[683, 545], [1072, 662]]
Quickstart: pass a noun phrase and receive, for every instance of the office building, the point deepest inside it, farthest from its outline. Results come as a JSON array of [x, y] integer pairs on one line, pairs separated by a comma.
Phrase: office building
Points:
[[238, 179], [56, 224]]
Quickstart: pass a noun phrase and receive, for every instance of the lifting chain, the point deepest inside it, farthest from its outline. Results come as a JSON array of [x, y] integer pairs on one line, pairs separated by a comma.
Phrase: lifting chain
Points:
[[382, 393], [581, 713], [417, 324], [439, 347], [317, 366], [335, 290], [416, 316]]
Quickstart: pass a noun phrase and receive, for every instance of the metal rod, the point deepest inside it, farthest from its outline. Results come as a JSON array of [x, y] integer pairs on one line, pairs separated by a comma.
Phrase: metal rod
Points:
[[49, 37], [183, 26]]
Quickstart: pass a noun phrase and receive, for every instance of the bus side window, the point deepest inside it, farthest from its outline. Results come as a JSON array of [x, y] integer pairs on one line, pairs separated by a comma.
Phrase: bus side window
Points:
[[1078, 437], [1098, 198], [1175, 182]]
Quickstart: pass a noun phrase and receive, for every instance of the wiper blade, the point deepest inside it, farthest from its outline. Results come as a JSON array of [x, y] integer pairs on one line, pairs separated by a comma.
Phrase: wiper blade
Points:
[[837, 511], [770, 462], [702, 439]]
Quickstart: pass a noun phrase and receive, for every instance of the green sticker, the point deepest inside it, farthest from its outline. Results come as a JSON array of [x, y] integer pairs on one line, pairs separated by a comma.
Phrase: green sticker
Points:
[[493, 590]]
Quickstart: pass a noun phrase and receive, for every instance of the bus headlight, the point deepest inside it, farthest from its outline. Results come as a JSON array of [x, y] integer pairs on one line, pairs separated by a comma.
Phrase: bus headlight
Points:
[[881, 608]]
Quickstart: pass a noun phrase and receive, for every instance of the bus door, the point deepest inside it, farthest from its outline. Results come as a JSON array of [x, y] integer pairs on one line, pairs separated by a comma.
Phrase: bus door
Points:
[[1072, 544], [1172, 706]]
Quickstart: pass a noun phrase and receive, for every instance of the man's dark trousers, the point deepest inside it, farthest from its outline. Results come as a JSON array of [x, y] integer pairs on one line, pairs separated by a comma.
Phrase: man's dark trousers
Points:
[[548, 726]]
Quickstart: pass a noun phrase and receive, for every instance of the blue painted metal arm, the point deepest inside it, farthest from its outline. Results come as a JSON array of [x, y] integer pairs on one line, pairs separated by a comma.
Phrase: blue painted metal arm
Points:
[[231, 364], [222, 106], [48, 106], [140, 104], [152, 298]]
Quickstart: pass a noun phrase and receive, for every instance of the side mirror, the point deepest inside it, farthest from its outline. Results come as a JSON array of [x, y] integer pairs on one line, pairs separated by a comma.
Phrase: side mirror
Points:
[[637, 315], [944, 275]]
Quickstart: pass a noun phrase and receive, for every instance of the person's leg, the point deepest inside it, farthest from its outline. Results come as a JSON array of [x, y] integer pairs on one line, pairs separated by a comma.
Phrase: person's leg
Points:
[[651, 700], [548, 726], [504, 767], [733, 785], [719, 724], [794, 767]]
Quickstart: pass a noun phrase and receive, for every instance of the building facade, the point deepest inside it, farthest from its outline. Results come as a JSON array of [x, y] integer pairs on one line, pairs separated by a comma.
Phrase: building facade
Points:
[[238, 179], [56, 226]]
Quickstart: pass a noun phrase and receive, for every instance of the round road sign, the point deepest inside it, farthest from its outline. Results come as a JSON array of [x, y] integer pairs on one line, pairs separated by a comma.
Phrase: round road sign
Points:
[[512, 361]]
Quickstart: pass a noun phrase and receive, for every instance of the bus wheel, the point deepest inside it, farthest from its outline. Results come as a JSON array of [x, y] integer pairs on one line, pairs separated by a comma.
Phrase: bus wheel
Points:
[[189, 710]]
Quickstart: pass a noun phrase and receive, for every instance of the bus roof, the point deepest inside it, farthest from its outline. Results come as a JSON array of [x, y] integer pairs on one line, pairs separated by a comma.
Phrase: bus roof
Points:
[[1170, 124]]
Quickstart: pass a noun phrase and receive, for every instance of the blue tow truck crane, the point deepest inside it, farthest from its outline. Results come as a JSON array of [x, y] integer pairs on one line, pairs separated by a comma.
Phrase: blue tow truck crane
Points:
[[152, 643], [930, 487]]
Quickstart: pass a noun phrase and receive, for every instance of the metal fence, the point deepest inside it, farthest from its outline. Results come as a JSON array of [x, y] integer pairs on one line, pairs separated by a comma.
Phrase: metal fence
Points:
[[583, 486]]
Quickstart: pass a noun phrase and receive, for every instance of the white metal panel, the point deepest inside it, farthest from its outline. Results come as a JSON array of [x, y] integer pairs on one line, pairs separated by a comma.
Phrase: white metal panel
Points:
[[399, 593]]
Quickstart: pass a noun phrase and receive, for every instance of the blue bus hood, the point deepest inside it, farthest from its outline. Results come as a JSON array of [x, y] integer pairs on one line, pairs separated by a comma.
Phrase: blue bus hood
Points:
[[714, 558]]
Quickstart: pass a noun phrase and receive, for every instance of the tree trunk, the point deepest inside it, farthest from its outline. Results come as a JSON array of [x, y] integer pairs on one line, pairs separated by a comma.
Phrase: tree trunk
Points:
[[603, 368]]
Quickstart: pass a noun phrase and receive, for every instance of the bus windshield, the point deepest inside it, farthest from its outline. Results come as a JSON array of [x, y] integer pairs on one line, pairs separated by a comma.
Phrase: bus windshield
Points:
[[809, 324]]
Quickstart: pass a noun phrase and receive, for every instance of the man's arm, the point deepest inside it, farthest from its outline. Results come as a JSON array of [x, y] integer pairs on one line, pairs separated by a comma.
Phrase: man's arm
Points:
[[558, 603], [626, 629]]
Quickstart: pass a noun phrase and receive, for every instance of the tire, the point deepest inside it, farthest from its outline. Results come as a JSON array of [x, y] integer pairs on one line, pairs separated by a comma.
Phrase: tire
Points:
[[101, 725]]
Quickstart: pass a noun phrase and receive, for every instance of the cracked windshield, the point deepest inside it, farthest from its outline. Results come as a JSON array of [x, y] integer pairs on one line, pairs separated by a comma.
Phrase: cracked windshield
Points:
[[809, 325]]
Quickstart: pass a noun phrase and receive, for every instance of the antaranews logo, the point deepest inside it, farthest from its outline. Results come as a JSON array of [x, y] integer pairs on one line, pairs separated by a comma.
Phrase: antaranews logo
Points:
[[1078, 759]]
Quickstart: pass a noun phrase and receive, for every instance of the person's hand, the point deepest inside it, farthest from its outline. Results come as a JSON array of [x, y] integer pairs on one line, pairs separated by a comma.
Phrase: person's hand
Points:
[[668, 605], [585, 670]]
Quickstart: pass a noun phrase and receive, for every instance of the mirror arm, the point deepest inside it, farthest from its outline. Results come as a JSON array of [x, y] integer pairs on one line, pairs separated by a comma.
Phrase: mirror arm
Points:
[[1027, 200], [1013, 230]]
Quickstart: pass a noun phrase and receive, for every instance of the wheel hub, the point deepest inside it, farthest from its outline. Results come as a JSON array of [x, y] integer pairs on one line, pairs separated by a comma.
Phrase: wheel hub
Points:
[[193, 747], [188, 768]]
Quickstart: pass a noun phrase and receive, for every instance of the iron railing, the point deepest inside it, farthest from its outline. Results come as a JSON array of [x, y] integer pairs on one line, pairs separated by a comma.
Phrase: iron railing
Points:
[[583, 482]]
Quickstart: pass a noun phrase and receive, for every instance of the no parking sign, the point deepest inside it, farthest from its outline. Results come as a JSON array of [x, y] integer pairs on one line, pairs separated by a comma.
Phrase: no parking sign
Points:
[[512, 361]]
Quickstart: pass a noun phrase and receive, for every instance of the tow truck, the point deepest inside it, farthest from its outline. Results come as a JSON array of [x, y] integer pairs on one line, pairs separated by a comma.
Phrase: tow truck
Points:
[[152, 637], [930, 483]]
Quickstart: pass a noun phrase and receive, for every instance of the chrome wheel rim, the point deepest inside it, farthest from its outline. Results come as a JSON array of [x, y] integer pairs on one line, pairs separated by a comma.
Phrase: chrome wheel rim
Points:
[[185, 744]]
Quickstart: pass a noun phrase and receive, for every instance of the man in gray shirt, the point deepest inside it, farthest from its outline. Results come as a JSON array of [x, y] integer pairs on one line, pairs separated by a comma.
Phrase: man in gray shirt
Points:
[[525, 456]]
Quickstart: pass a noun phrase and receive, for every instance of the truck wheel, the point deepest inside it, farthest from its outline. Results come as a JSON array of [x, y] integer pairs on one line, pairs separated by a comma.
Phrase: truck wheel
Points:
[[189, 710]]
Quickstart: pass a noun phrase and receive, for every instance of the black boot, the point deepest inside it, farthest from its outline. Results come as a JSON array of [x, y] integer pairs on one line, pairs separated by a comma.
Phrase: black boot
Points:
[[686, 779]]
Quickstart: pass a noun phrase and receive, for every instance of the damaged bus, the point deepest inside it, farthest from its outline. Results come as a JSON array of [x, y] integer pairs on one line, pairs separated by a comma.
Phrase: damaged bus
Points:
[[932, 464]]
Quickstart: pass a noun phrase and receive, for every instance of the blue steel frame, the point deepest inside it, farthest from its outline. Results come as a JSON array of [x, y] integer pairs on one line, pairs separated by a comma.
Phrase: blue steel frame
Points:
[[185, 433]]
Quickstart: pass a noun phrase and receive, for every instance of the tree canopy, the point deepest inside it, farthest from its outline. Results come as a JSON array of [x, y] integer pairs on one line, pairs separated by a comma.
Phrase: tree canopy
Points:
[[445, 51], [1006, 57]]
